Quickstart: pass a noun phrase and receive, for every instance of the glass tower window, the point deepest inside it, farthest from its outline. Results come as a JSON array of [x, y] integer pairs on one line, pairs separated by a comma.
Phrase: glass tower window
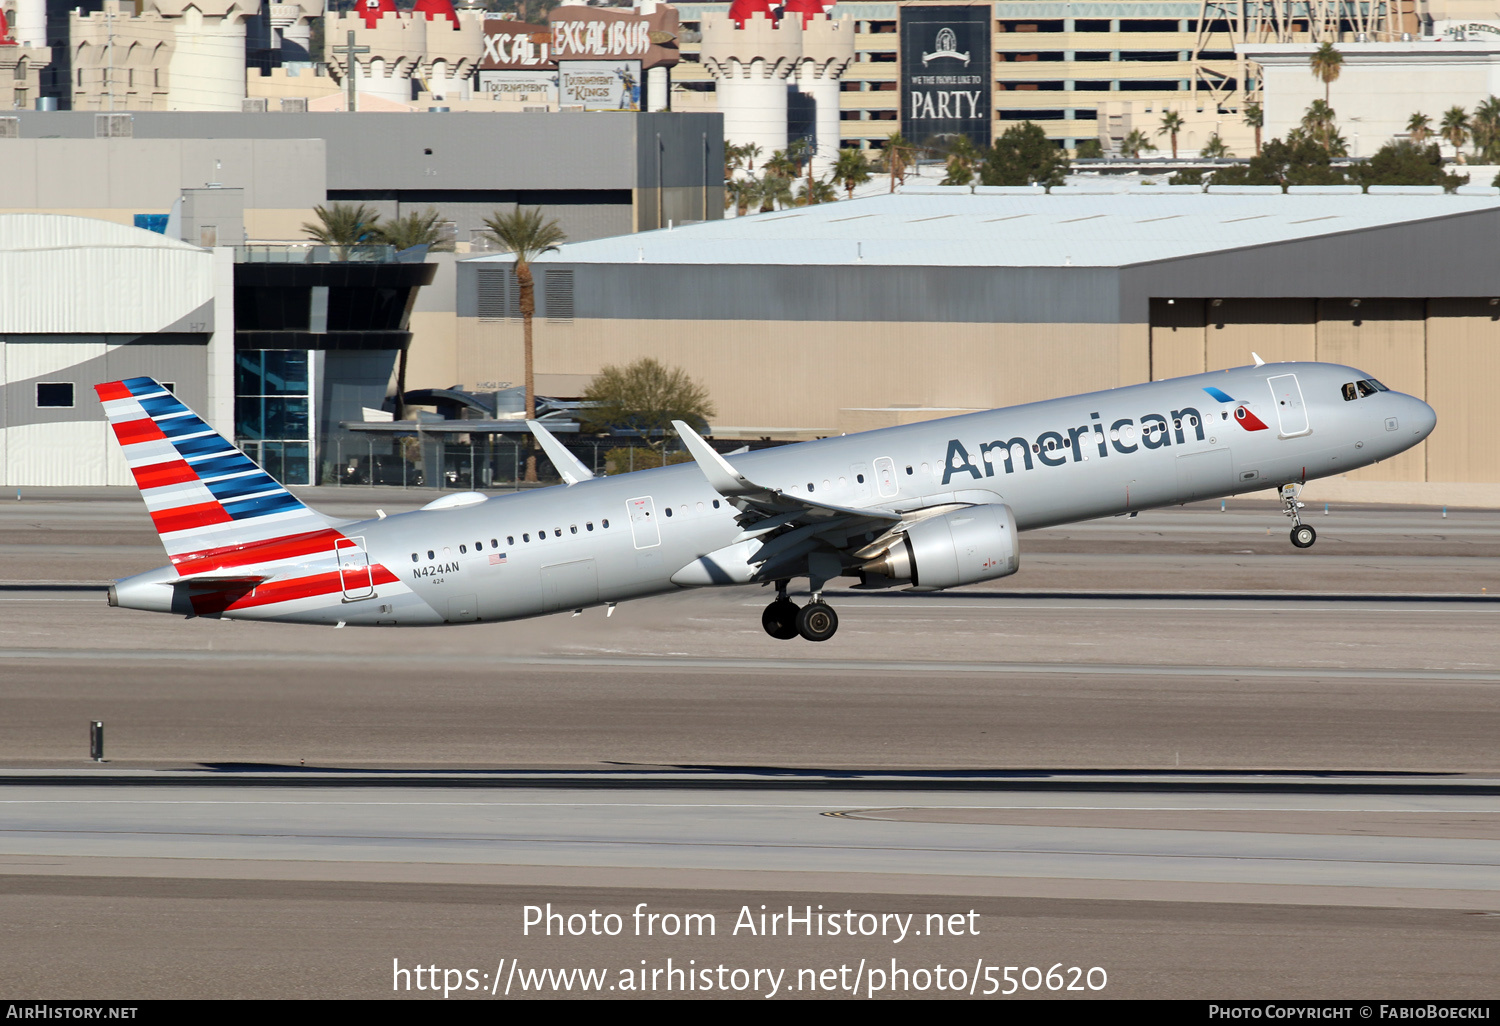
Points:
[[272, 411]]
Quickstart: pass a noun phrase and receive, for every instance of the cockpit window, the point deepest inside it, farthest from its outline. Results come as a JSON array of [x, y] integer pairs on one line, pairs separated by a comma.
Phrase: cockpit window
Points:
[[1349, 393], [1378, 386], [1366, 388]]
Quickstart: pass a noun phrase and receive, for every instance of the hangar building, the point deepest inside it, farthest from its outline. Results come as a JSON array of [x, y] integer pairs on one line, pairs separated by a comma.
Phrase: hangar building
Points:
[[859, 314]]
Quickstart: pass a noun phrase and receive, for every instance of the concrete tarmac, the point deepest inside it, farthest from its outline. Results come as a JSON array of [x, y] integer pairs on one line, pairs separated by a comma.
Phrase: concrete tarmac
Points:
[[1299, 748]]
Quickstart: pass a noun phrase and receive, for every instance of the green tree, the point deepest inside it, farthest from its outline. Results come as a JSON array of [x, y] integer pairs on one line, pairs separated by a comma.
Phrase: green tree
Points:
[[1419, 127], [418, 228], [1255, 117], [1215, 148], [775, 190], [819, 191], [644, 398], [528, 235], [1136, 142], [1402, 162], [781, 165], [1320, 121], [750, 152], [1023, 155], [851, 169], [1486, 129], [342, 225], [1088, 149], [962, 159], [1456, 130], [1299, 161], [742, 194], [1171, 124], [1326, 63]]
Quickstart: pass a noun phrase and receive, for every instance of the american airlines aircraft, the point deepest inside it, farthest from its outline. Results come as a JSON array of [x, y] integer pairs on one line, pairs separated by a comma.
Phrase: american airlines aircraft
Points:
[[925, 506]]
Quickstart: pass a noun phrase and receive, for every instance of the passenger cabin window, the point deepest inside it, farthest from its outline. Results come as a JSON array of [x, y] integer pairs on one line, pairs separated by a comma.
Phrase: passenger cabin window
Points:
[[495, 543], [431, 554], [604, 524], [669, 511], [463, 550], [510, 539]]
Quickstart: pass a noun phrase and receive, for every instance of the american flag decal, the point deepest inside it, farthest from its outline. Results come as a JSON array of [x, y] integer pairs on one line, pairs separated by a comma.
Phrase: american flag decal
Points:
[[497, 558]]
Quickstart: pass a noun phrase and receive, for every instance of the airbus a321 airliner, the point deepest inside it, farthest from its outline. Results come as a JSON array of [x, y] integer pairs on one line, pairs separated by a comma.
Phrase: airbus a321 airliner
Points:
[[924, 506]]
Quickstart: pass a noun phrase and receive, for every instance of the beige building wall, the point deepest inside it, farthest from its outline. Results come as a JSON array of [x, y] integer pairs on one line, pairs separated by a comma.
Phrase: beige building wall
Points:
[[798, 379], [1463, 364]]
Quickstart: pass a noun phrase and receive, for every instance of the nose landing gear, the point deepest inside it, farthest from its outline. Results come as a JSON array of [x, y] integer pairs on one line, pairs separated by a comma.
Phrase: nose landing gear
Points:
[[1303, 535]]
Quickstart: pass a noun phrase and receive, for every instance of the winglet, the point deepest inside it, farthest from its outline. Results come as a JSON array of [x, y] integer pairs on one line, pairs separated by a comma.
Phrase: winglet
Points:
[[1258, 361], [724, 478], [566, 463]]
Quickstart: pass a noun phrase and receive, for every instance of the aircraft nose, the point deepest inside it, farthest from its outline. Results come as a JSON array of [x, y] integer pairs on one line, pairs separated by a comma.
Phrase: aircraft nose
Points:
[[1419, 417]]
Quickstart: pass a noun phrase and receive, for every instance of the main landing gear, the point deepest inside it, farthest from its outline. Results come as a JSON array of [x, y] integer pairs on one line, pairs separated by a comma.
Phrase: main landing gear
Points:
[[784, 619], [1303, 535]]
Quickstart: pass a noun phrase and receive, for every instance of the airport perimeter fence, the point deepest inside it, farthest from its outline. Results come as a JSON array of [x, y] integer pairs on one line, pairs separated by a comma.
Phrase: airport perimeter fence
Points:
[[484, 464]]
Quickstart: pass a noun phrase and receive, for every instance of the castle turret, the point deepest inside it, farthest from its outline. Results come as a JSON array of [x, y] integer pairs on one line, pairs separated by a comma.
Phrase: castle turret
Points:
[[827, 52], [751, 55], [443, 50]]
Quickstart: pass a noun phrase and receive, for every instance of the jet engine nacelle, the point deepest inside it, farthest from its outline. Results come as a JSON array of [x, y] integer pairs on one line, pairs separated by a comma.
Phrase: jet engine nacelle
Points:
[[977, 543]]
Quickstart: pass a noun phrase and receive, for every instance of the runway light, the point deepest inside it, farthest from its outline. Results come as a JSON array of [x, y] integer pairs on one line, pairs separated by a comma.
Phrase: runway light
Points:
[[96, 740], [1354, 302]]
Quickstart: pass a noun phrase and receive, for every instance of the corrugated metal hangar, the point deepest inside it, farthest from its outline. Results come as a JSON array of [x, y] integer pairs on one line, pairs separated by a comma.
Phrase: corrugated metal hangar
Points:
[[84, 301], [857, 314]]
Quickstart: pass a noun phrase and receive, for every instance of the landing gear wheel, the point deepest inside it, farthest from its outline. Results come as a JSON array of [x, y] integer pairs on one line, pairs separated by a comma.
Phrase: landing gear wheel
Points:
[[817, 621], [780, 619], [1303, 536]]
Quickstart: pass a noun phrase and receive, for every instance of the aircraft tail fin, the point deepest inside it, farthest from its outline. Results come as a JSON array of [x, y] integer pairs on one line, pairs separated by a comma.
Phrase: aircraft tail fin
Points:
[[204, 495]]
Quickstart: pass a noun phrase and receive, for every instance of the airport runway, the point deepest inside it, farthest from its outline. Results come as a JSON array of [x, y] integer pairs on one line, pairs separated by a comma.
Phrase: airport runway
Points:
[[1171, 745], [1174, 886]]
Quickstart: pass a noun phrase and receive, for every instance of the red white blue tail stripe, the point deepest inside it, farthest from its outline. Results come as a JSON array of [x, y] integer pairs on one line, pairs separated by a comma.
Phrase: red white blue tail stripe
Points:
[[203, 493]]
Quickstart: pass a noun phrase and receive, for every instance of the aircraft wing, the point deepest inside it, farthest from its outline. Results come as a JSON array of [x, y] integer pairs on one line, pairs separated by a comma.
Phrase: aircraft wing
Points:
[[764, 509], [566, 463]]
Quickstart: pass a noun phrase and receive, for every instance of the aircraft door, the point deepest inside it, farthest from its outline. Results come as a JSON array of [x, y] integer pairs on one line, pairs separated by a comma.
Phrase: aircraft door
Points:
[[354, 568], [885, 477], [1291, 413], [643, 522]]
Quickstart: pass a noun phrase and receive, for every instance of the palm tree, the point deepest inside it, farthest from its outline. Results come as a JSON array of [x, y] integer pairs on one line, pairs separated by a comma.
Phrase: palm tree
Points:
[[1255, 117], [342, 225], [1419, 127], [526, 234], [1326, 64], [781, 165], [741, 193], [820, 191], [1135, 142], [416, 229], [899, 152], [1320, 122], [963, 158], [750, 151], [1456, 130], [1215, 148], [1171, 124], [852, 169], [1486, 129], [775, 190]]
